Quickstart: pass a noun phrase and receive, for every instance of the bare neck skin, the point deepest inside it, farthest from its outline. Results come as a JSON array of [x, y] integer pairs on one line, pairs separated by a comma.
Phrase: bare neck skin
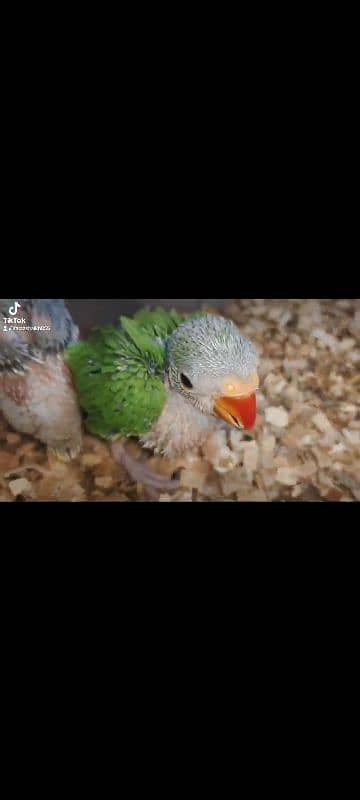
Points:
[[180, 427]]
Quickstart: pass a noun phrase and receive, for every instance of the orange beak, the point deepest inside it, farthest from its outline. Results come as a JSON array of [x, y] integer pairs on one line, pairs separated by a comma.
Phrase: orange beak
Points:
[[237, 411]]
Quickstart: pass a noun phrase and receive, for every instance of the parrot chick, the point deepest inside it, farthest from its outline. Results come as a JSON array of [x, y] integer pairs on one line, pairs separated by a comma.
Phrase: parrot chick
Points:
[[166, 380], [37, 395]]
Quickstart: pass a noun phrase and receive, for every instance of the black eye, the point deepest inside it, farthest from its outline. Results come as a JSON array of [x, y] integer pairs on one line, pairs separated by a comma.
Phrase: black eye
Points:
[[186, 382]]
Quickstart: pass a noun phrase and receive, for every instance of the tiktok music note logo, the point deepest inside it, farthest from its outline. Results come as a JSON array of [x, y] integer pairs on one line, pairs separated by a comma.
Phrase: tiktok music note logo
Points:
[[13, 309], [13, 320]]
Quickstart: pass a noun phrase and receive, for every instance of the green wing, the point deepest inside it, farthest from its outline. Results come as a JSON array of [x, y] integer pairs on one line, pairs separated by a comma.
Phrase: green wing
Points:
[[159, 324], [119, 374]]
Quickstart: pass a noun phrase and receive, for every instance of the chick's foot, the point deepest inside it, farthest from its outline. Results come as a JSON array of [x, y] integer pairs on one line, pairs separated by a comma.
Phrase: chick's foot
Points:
[[66, 452], [139, 472]]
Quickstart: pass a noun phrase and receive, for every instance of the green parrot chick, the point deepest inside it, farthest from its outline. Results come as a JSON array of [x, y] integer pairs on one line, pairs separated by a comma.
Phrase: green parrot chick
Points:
[[165, 379]]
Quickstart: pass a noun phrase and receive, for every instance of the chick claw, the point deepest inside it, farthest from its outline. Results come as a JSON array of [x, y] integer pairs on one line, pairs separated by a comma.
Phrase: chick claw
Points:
[[140, 473], [65, 453]]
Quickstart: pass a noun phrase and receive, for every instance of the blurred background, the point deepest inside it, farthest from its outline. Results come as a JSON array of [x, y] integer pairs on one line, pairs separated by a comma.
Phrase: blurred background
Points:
[[90, 313]]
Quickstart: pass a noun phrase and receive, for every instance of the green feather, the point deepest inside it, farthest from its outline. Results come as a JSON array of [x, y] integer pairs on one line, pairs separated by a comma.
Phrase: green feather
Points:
[[160, 323], [119, 374]]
